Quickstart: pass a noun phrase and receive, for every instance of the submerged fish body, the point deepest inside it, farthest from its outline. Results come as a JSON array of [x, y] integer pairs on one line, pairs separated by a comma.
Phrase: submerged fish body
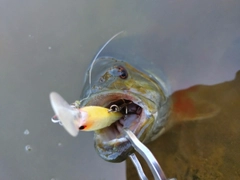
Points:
[[151, 112]]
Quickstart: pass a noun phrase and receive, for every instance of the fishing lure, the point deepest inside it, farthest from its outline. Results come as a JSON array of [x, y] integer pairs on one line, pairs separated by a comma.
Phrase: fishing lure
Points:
[[88, 118]]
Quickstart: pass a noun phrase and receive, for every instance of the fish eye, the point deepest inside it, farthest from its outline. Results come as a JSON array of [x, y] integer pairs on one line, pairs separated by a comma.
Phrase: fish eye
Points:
[[122, 72]]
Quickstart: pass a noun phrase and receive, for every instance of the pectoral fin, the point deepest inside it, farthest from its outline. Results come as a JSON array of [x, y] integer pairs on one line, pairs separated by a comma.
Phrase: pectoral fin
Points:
[[191, 104]]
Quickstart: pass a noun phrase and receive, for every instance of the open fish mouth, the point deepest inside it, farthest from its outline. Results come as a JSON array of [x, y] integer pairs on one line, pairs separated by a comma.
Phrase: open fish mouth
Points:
[[110, 142]]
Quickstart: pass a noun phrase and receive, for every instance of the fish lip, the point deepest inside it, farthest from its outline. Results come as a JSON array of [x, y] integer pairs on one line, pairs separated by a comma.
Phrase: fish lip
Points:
[[116, 150]]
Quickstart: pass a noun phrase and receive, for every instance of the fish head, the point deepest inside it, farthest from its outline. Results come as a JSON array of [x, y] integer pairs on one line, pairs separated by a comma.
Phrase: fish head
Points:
[[138, 94]]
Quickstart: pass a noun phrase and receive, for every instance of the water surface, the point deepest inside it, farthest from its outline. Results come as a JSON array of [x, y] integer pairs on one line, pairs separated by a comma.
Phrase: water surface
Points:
[[47, 45]]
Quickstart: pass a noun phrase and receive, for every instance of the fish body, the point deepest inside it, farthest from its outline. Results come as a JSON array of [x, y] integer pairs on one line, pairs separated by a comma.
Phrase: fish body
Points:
[[146, 93], [158, 109]]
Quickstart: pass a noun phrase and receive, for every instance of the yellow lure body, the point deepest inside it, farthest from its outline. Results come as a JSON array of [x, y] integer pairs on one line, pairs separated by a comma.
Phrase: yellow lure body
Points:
[[97, 117], [88, 118]]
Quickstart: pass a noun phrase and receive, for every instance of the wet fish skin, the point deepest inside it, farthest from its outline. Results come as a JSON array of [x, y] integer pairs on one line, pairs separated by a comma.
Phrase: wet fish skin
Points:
[[146, 91]]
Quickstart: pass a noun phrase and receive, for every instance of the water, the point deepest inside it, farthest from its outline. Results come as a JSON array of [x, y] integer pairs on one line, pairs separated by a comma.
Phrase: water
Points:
[[191, 42]]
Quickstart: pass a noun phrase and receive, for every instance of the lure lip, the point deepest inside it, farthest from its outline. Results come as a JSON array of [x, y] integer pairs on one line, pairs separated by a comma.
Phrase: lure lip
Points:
[[64, 113]]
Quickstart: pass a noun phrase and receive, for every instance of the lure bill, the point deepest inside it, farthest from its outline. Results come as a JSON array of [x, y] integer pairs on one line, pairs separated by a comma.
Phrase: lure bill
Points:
[[88, 118]]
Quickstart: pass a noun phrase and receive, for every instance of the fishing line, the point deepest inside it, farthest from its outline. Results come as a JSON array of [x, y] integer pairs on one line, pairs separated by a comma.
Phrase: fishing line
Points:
[[95, 59]]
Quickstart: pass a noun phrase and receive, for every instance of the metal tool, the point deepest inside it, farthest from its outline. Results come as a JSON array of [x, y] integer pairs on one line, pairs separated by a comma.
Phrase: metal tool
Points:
[[147, 155]]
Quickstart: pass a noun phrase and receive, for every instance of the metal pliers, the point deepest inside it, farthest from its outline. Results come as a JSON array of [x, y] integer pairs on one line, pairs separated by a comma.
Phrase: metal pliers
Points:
[[147, 155]]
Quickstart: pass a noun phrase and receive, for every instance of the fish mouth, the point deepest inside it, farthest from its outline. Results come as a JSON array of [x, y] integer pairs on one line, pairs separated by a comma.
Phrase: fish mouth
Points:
[[111, 142]]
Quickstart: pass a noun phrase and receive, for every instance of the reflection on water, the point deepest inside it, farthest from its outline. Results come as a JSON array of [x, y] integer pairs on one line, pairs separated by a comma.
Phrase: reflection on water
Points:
[[206, 148]]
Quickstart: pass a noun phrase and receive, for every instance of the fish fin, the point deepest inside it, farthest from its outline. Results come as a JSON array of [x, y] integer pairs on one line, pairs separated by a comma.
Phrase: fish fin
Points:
[[65, 113], [203, 110], [189, 106]]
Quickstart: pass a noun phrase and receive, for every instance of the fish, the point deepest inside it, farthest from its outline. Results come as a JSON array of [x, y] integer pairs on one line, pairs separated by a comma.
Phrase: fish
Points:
[[149, 110]]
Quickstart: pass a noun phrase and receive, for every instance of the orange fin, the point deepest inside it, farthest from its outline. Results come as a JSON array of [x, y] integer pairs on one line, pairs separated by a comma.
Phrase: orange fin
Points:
[[189, 105]]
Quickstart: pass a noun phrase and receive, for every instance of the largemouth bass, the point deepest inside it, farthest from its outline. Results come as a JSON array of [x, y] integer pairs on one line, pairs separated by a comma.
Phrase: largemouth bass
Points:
[[151, 112], [117, 82], [149, 109]]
